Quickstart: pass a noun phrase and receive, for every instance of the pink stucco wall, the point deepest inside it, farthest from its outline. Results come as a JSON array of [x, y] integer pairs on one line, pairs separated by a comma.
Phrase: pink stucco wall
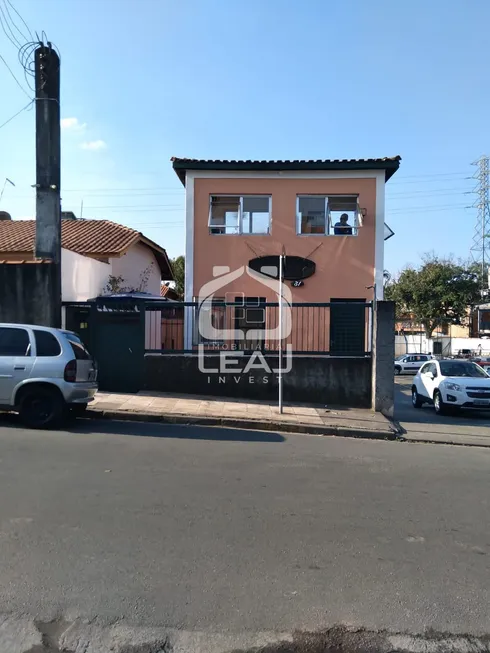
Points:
[[344, 265]]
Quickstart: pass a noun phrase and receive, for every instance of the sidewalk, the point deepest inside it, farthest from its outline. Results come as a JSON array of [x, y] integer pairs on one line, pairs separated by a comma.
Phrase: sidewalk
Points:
[[258, 415]]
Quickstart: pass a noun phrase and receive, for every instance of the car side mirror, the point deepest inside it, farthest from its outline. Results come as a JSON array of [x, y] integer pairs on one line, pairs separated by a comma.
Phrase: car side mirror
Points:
[[431, 375]]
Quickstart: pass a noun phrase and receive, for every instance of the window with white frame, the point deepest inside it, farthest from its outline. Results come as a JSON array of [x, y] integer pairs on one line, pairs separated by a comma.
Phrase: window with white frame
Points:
[[245, 214], [328, 215]]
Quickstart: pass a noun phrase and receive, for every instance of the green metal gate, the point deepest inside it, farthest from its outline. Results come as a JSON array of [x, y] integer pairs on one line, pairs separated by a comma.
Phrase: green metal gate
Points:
[[114, 332]]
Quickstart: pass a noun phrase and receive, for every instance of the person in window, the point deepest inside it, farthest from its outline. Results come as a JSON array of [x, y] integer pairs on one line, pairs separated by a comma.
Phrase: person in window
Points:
[[342, 228]]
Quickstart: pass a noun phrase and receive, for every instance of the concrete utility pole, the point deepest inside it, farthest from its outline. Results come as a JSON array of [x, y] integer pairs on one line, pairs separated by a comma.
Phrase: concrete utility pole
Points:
[[48, 163]]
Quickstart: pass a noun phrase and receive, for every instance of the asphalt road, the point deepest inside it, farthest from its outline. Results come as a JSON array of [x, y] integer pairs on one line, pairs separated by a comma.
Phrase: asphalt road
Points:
[[204, 530]]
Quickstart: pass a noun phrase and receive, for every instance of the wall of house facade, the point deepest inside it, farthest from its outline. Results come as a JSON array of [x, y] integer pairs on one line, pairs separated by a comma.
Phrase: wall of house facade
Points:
[[345, 265], [332, 381], [82, 278], [138, 262]]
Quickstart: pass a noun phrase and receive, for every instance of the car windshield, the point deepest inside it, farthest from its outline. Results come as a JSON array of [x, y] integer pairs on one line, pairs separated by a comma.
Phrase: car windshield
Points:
[[460, 368], [398, 358]]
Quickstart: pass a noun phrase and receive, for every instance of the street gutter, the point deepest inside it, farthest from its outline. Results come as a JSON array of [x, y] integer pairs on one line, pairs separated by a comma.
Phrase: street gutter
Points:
[[246, 424]]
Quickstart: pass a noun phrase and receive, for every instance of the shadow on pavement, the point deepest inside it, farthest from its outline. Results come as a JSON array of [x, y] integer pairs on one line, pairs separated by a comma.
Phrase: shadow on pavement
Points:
[[154, 430]]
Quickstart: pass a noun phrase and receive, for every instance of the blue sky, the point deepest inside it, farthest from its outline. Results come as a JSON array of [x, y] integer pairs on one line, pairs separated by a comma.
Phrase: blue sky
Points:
[[268, 79]]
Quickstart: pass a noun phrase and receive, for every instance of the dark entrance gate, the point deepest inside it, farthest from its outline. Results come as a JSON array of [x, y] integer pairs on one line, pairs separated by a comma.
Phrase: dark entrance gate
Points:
[[114, 332], [347, 327]]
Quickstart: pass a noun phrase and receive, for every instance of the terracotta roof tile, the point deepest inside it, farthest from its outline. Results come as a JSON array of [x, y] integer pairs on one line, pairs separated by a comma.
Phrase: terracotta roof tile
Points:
[[101, 238], [82, 236]]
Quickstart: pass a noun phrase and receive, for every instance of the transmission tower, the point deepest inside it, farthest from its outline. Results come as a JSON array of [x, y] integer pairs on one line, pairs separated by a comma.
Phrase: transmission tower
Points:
[[480, 249]]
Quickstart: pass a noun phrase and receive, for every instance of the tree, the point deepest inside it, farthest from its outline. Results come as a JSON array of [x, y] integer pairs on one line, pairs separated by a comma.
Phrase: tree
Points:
[[178, 267], [439, 292]]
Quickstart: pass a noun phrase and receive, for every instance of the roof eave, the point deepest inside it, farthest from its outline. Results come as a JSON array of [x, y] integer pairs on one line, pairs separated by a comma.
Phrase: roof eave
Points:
[[390, 166]]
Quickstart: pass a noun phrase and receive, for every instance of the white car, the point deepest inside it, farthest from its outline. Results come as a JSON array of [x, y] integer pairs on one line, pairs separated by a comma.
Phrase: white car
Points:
[[450, 384], [44, 373], [410, 363]]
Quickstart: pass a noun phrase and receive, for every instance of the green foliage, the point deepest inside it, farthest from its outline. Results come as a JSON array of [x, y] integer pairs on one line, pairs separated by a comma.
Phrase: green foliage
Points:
[[437, 293], [178, 267]]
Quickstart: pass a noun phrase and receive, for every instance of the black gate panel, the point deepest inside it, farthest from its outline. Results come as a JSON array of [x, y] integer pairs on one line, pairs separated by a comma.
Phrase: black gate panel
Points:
[[347, 327]]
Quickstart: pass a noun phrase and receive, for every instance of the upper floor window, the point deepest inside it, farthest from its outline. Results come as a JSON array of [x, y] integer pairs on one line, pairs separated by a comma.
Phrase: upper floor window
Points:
[[333, 215], [233, 214]]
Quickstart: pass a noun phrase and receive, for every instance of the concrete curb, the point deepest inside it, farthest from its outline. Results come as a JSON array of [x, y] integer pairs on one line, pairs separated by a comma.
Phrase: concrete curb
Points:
[[240, 423]]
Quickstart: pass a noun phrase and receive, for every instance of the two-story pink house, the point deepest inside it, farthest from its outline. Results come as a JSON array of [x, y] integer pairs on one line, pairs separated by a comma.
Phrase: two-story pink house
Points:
[[328, 214]]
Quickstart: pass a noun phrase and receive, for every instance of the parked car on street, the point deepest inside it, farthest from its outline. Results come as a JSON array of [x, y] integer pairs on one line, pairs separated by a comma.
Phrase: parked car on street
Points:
[[451, 384], [45, 373], [482, 361], [410, 363]]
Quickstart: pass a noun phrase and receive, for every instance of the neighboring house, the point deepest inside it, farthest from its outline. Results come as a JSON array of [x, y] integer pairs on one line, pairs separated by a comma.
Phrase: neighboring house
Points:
[[480, 321], [407, 325], [94, 253], [331, 214]]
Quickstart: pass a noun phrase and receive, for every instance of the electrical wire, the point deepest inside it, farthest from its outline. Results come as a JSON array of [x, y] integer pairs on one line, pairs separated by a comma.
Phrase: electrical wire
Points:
[[435, 174], [137, 207], [15, 78], [423, 209], [84, 190], [27, 62], [16, 114], [18, 14], [12, 21], [12, 38], [142, 210]]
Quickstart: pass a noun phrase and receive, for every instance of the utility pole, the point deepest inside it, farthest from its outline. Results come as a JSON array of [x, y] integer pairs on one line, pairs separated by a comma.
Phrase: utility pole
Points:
[[48, 164], [480, 249]]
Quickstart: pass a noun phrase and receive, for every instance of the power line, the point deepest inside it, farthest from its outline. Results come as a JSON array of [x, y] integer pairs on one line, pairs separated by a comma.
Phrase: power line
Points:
[[16, 114], [19, 15], [15, 78], [426, 192], [434, 174], [138, 207], [135, 210], [424, 209], [84, 190], [427, 181], [13, 39]]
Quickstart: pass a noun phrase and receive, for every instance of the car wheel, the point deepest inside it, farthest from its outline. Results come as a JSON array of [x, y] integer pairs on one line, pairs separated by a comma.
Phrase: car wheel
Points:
[[439, 405], [398, 371], [77, 410], [41, 408], [416, 398]]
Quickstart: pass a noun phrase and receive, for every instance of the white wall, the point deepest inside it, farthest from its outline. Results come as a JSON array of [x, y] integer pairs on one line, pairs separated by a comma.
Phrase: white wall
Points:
[[82, 277], [450, 346], [412, 345], [132, 265]]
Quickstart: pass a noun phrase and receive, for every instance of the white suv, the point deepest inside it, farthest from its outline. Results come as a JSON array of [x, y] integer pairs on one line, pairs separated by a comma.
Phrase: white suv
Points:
[[44, 373], [451, 384]]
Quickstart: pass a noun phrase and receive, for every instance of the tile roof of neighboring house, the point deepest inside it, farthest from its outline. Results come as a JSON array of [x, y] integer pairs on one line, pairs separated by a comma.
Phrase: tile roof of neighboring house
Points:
[[95, 238], [389, 164]]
